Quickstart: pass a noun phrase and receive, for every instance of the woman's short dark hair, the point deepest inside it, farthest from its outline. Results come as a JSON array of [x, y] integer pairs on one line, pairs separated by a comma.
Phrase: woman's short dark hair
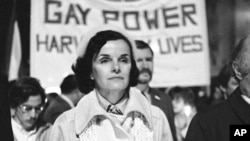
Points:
[[83, 65], [23, 88]]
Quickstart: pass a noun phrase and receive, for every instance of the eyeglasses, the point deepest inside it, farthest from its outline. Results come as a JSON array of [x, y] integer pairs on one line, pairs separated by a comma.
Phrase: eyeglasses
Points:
[[27, 108]]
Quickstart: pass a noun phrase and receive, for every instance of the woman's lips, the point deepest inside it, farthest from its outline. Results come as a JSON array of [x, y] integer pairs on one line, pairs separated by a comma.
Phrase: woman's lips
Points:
[[116, 78]]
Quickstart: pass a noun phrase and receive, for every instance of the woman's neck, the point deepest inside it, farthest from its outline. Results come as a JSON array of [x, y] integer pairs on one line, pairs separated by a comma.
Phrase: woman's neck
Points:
[[112, 96]]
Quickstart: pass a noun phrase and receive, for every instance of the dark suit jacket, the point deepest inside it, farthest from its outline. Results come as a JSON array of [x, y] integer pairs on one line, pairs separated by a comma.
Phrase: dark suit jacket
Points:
[[214, 123], [164, 102], [54, 109]]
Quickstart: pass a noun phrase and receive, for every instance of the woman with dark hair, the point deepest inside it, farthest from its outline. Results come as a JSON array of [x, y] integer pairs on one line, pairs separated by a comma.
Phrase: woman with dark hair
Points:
[[112, 109]]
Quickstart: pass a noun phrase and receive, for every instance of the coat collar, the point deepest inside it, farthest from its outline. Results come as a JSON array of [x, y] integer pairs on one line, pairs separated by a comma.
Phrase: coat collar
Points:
[[240, 106], [89, 107]]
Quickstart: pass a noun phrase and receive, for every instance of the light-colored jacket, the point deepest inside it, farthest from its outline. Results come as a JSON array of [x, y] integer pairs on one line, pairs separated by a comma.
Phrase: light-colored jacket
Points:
[[89, 121]]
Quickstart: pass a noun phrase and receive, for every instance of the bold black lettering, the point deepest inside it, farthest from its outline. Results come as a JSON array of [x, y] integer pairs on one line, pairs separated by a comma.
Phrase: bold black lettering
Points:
[[187, 11], [39, 42], [110, 15], [84, 13], [171, 43], [186, 43], [162, 51], [71, 14], [126, 20], [191, 43], [153, 21], [57, 15], [197, 41], [169, 17], [76, 41], [66, 41], [54, 45]]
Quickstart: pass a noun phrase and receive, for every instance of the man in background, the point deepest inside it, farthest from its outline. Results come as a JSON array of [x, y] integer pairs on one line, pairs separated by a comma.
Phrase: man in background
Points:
[[144, 60], [214, 123], [27, 99], [67, 100]]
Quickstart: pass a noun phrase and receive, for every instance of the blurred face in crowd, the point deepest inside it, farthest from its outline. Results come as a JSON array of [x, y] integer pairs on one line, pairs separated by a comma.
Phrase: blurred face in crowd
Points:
[[231, 85], [111, 67], [178, 104], [144, 62], [27, 113], [221, 91]]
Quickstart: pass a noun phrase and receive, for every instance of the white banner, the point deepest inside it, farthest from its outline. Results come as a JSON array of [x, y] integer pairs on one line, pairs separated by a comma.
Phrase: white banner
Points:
[[175, 29]]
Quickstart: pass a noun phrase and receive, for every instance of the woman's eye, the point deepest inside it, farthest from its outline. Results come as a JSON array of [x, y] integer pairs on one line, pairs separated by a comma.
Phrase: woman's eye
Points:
[[104, 60], [124, 60]]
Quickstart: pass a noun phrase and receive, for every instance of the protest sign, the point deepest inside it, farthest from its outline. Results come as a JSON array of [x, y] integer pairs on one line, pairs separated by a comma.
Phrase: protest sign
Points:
[[175, 29]]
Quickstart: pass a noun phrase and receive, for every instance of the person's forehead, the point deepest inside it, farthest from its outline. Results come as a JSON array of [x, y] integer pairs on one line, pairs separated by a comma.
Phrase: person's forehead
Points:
[[33, 101], [119, 46], [178, 95], [143, 52], [178, 99]]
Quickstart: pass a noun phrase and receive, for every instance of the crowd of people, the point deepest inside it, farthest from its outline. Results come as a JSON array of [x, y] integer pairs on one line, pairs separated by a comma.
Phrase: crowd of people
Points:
[[109, 98]]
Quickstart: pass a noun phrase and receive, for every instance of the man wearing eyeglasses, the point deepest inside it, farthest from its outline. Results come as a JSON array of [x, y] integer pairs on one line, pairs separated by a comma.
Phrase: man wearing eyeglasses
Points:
[[27, 99]]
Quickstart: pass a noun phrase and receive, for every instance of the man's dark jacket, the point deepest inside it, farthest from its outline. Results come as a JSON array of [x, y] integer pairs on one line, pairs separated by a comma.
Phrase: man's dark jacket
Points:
[[55, 108], [214, 123], [164, 102]]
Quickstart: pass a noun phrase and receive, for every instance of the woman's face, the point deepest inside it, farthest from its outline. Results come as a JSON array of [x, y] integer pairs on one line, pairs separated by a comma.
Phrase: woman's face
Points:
[[111, 67]]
